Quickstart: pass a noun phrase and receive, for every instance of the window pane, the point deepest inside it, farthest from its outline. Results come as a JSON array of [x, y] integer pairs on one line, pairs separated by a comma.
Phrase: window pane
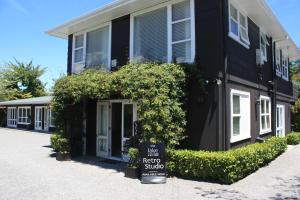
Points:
[[244, 35], [150, 36], [181, 11], [78, 55], [79, 41], [128, 120], [243, 21], [262, 106], [182, 52], [236, 125], [181, 31], [234, 27], [267, 106], [236, 104], [103, 120], [263, 122], [233, 12], [97, 48], [268, 122]]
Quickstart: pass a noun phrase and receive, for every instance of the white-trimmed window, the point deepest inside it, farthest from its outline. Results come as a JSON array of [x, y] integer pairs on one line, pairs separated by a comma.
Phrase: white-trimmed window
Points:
[[12, 117], [24, 114], [164, 33], [91, 49], [238, 26], [285, 68], [280, 120], [50, 118], [240, 116], [278, 62], [264, 46], [265, 114]]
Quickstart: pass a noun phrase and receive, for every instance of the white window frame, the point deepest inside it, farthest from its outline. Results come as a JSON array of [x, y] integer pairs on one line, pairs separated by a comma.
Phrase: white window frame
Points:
[[285, 68], [280, 128], [12, 122], [84, 33], [245, 128], [24, 108], [50, 117], [266, 130], [278, 61], [263, 40], [235, 37], [168, 5]]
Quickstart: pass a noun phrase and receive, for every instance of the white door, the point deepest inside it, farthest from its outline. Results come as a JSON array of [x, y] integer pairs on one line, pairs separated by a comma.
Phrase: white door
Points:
[[103, 130], [12, 117], [38, 118], [280, 127]]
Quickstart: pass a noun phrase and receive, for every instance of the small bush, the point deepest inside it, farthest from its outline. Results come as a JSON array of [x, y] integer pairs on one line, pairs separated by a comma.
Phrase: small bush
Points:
[[293, 138], [226, 167], [59, 143], [133, 154]]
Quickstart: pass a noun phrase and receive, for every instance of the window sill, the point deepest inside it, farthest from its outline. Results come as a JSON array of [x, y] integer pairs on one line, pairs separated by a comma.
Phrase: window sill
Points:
[[232, 36], [23, 123], [235, 139], [265, 132]]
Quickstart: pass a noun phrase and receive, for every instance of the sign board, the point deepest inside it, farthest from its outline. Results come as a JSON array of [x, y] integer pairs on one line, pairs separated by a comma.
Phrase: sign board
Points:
[[153, 163]]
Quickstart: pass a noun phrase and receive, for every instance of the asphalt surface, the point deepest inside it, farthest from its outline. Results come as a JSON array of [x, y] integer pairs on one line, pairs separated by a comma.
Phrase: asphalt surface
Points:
[[29, 171]]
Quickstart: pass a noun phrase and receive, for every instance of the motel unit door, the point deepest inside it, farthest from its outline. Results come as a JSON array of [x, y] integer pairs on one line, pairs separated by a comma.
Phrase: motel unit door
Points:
[[12, 117], [102, 129]]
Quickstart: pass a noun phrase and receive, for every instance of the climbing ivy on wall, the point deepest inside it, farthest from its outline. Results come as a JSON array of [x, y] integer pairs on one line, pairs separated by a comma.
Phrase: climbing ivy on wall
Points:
[[158, 90]]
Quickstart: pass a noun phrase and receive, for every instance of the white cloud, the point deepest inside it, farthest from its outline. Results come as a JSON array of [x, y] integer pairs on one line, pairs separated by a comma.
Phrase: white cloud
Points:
[[19, 7]]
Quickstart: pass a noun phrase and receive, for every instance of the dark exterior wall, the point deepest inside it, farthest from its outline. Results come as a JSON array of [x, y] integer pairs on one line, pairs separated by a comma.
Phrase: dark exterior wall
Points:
[[70, 52], [120, 41], [203, 106], [91, 127]]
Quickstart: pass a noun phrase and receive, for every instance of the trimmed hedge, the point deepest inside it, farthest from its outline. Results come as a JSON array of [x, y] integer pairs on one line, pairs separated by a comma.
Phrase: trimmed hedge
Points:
[[293, 138], [225, 167]]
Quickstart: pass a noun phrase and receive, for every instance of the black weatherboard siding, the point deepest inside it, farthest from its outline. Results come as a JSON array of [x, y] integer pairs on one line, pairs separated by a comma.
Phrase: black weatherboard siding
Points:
[[70, 51], [120, 40], [91, 126], [203, 122]]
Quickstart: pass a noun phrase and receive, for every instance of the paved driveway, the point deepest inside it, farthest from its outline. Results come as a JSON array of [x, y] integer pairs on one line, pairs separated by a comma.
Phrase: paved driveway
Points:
[[27, 171]]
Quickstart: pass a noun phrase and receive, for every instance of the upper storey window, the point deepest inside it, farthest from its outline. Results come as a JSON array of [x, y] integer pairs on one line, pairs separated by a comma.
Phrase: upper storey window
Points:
[[264, 46], [238, 26], [92, 49], [164, 34]]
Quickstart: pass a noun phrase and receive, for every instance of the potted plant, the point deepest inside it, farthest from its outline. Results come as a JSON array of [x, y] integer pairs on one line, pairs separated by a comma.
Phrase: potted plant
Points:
[[63, 150], [132, 169]]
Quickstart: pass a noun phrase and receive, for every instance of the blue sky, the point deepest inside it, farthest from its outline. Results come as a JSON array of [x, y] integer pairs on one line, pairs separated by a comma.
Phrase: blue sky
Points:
[[24, 22]]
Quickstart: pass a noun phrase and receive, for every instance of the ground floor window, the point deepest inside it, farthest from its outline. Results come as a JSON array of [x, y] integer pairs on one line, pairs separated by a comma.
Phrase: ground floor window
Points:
[[51, 122], [240, 115], [280, 128], [12, 117], [24, 115], [265, 115]]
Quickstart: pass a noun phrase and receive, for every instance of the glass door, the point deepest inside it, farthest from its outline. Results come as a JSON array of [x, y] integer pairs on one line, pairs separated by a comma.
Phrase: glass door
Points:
[[103, 130], [12, 117], [38, 118], [280, 128], [46, 119]]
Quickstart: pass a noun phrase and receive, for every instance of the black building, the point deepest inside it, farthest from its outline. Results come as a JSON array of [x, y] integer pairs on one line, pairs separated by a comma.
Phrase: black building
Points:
[[30, 114], [239, 45]]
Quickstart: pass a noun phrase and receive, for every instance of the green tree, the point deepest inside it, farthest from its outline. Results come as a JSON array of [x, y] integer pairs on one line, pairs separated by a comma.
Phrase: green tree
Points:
[[21, 80]]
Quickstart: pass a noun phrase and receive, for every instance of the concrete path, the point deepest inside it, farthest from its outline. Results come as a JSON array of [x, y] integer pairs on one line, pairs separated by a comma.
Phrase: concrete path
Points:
[[29, 172]]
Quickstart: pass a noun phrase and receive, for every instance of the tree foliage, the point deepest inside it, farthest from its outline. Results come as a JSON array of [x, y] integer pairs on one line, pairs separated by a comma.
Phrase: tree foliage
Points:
[[157, 89], [20, 80]]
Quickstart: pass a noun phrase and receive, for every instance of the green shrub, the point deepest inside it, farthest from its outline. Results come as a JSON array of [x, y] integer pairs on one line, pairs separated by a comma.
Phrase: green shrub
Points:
[[158, 90], [59, 143], [225, 167], [133, 154], [293, 138]]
